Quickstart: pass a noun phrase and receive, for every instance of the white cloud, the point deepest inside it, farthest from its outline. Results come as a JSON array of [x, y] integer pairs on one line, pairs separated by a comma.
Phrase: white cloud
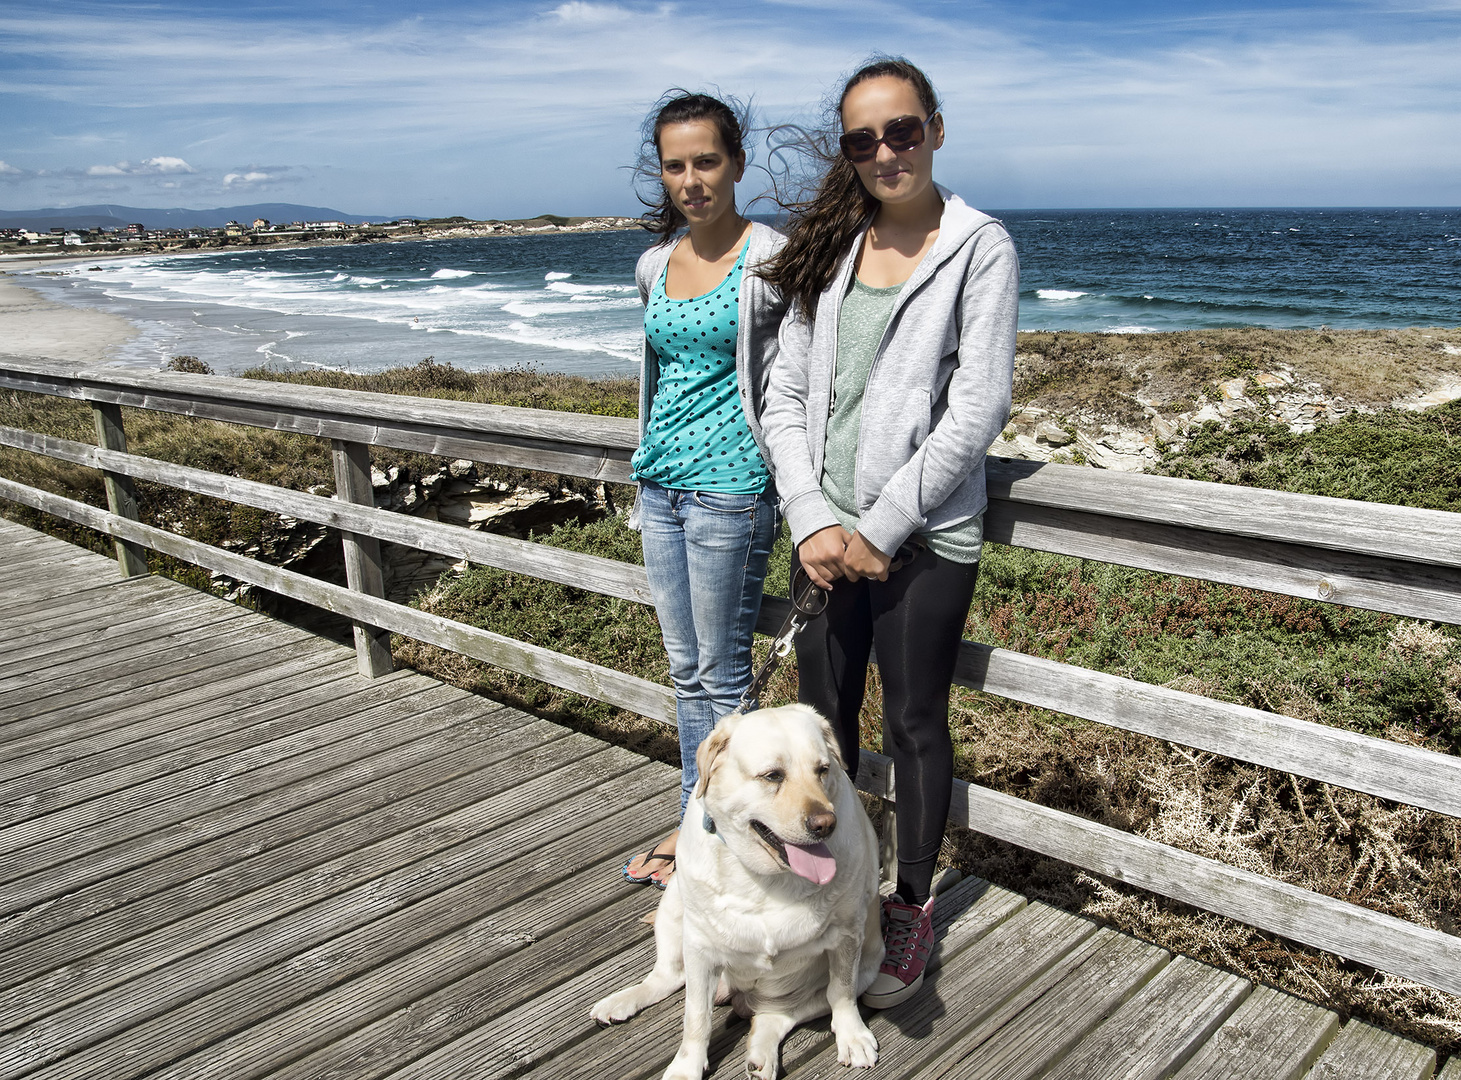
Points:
[[7, 169], [153, 166], [167, 165], [247, 179], [580, 11]]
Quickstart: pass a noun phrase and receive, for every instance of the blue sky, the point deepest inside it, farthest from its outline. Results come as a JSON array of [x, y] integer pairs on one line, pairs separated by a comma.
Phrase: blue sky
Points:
[[511, 109]]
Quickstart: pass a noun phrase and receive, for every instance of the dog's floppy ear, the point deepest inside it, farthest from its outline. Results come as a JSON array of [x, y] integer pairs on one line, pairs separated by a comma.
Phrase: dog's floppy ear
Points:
[[830, 738], [707, 757]]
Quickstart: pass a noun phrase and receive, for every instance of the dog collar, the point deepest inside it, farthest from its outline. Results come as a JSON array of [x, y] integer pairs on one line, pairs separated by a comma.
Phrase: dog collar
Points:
[[707, 821]]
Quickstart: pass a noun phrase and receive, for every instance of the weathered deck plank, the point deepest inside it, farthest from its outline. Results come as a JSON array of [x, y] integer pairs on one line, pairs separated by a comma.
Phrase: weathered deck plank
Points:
[[77, 621], [255, 861], [139, 620], [83, 693], [1040, 1025], [1364, 1052], [1162, 1025], [305, 701], [186, 632], [1271, 1036], [223, 855], [436, 867]]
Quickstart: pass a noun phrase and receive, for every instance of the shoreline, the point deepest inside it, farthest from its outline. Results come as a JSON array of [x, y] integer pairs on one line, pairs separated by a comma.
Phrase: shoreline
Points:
[[32, 325]]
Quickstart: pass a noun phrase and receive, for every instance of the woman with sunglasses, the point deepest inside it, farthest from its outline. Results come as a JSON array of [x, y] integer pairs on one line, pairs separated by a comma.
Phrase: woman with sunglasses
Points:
[[894, 377], [706, 508]]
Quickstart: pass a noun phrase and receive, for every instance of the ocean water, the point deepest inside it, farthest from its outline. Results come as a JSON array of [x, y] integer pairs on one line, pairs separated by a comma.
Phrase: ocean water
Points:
[[569, 303]]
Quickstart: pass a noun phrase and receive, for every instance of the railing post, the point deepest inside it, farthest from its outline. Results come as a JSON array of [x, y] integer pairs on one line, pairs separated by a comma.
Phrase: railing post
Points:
[[363, 571], [888, 841], [121, 494]]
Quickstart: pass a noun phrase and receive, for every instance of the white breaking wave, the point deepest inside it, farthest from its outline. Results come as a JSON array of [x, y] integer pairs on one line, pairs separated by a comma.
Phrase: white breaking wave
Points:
[[303, 316], [1132, 330], [575, 289], [577, 306], [1059, 294]]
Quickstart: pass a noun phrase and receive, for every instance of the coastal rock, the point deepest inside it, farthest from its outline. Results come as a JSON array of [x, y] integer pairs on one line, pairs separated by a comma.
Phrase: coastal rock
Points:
[[1053, 434], [1439, 396], [1233, 389]]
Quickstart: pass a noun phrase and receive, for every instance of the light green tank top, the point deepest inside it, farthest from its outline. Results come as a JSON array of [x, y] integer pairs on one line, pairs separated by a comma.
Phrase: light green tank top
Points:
[[860, 326]]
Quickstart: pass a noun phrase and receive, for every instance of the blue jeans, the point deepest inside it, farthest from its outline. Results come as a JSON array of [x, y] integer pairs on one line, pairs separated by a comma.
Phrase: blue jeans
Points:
[[705, 554]]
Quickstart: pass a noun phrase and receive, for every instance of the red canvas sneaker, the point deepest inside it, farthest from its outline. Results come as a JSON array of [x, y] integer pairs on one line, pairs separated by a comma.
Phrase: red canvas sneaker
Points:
[[907, 944]]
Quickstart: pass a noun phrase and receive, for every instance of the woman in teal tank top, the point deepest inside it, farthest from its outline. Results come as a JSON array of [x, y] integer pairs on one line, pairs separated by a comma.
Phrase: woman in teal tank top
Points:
[[706, 507]]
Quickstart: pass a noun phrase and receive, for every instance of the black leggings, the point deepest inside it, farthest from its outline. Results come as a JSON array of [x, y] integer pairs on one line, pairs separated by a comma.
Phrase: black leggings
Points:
[[916, 620]]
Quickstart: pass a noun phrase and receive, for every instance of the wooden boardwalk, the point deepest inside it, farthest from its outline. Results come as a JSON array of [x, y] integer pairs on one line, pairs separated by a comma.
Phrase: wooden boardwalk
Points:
[[224, 854]]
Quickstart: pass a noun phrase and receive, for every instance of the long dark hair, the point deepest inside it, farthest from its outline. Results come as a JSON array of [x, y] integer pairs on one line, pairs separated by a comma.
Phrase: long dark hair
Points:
[[823, 226], [731, 120]]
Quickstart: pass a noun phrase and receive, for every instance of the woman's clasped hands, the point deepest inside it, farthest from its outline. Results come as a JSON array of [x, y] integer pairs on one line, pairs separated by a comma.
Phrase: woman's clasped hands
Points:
[[833, 553]]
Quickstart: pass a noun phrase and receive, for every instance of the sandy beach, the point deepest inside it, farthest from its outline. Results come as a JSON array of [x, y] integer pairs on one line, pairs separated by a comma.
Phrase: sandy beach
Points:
[[31, 325]]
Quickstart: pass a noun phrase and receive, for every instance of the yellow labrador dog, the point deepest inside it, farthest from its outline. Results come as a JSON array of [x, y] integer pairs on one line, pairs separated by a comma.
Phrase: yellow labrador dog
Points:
[[774, 897]]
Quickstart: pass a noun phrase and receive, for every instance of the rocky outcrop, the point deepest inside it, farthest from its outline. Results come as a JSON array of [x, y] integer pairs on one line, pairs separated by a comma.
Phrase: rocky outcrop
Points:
[[1086, 437], [458, 493]]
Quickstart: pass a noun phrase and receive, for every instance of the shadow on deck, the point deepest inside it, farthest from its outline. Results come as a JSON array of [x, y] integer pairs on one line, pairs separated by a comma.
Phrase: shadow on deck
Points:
[[225, 854]]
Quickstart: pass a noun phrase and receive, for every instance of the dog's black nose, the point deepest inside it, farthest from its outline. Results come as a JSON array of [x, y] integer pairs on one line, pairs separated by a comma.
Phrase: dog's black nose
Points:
[[821, 824]]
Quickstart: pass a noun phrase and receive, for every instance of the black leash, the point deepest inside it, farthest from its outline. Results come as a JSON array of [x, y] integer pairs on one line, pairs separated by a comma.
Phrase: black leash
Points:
[[808, 601]]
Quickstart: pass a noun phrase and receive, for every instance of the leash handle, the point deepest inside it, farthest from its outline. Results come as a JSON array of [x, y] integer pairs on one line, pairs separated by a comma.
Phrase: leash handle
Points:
[[809, 600]]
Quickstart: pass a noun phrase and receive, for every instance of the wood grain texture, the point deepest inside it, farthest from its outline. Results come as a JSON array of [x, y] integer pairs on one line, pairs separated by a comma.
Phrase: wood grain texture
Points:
[[364, 571], [1160, 1027], [1270, 1036], [353, 879], [966, 988], [121, 495], [1390, 770], [1416, 952], [1049, 1017], [1357, 579], [1364, 1052], [1401, 532]]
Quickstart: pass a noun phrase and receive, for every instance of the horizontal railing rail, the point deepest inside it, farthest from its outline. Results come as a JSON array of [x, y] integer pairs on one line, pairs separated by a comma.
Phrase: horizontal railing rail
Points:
[[1385, 558]]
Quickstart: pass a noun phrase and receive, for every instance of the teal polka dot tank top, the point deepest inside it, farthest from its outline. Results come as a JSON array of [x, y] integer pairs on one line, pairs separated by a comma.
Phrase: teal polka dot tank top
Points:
[[697, 438]]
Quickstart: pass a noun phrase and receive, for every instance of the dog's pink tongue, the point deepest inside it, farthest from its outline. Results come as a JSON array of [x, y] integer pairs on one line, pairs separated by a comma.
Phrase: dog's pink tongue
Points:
[[811, 861]]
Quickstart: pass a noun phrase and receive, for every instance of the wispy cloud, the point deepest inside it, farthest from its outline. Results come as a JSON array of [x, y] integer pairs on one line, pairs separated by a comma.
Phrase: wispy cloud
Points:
[[506, 108]]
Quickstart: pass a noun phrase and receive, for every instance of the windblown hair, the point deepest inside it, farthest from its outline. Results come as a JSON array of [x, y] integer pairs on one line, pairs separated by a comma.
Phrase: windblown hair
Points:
[[731, 120], [823, 226]]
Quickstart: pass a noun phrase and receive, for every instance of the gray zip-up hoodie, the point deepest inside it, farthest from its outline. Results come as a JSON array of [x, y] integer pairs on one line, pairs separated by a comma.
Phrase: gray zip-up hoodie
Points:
[[937, 396]]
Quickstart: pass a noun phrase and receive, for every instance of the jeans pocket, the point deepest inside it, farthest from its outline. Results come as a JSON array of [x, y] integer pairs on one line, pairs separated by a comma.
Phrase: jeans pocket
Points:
[[726, 504]]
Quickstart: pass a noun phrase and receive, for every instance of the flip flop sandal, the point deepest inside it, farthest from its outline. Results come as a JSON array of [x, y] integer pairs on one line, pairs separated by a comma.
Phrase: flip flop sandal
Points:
[[652, 855]]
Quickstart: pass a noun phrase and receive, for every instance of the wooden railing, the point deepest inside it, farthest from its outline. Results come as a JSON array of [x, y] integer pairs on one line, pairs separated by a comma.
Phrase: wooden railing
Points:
[[1384, 558]]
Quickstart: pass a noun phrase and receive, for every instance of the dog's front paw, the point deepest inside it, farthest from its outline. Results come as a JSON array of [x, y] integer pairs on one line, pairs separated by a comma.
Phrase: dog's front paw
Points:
[[689, 1064], [761, 1069], [617, 1007], [858, 1048]]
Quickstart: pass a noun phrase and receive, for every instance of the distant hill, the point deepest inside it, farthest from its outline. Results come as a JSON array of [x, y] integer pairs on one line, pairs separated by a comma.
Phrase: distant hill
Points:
[[110, 216]]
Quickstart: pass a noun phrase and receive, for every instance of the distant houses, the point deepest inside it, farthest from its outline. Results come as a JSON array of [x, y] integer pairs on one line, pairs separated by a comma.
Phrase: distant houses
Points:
[[260, 231]]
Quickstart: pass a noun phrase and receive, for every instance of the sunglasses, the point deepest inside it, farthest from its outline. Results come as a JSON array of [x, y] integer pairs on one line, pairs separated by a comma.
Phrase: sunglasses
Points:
[[902, 134]]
